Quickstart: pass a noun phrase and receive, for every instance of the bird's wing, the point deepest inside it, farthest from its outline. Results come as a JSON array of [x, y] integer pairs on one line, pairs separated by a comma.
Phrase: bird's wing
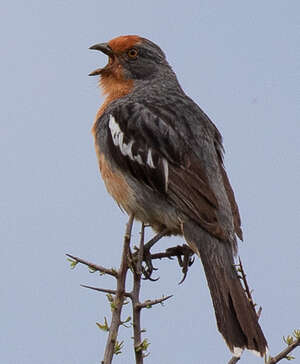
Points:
[[151, 150]]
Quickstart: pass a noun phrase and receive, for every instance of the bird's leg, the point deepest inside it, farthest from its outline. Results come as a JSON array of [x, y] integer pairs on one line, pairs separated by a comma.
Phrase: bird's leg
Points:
[[148, 269]]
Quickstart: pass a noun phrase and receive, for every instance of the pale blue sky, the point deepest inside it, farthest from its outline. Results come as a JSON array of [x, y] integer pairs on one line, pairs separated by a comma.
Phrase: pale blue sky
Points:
[[239, 60]]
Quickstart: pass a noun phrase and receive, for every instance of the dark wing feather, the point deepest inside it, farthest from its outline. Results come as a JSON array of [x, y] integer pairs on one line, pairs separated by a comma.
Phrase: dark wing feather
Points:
[[149, 148], [141, 143], [230, 194], [193, 196]]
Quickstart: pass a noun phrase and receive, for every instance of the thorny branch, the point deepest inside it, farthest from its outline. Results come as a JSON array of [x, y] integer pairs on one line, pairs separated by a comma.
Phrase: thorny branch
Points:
[[93, 266], [240, 269], [137, 273], [140, 347], [234, 360], [105, 290], [149, 303], [292, 343], [284, 354], [119, 297], [135, 262]]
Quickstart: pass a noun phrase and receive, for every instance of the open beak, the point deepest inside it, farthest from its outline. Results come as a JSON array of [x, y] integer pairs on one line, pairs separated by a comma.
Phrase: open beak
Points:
[[104, 48]]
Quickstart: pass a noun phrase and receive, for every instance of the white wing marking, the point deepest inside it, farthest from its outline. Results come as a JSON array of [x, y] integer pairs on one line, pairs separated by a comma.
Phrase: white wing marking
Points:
[[118, 136], [126, 149], [149, 159], [166, 173], [114, 129]]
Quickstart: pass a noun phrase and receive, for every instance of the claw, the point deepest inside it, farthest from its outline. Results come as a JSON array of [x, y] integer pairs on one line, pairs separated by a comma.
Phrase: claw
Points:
[[183, 278], [150, 279], [187, 260], [180, 262], [148, 269], [183, 254], [191, 261], [185, 267], [148, 272]]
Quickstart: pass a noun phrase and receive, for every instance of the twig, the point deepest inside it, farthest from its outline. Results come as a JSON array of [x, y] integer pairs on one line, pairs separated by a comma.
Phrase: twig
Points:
[[119, 297], [248, 292], [247, 289], [141, 251], [95, 267], [141, 346], [149, 303], [137, 274], [105, 290], [284, 353], [234, 360]]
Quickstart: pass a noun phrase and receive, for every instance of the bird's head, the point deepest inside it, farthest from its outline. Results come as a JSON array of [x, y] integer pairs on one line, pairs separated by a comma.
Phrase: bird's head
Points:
[[130, 58]]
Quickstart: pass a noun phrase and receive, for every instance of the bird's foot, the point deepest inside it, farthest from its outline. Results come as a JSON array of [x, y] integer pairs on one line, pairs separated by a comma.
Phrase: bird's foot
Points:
[[184, 256], [147, 267]]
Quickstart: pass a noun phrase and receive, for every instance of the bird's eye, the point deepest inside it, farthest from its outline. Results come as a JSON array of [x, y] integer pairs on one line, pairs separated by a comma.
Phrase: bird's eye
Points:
[[132, 53]]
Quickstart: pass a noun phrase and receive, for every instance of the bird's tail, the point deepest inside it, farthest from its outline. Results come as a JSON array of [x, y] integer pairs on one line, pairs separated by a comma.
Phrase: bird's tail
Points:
[[236, 318]]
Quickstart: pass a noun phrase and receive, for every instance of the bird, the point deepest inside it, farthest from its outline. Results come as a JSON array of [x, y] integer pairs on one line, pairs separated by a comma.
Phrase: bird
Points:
[[161, 159]]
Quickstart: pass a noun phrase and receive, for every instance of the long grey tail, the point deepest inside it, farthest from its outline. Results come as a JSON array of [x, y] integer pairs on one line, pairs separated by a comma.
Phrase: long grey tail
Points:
[[236, 318]]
